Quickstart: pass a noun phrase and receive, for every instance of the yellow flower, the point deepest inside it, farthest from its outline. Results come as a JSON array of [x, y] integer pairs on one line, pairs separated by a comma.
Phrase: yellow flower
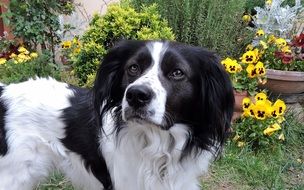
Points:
[[22, 49], [34, 55], [279, 107], [66, 44], [268, 2], [260, 69], [241, 144], [271, 39], [260, 33], [249, 112], [260, 97], [282, 137], [236, 137], [231, 65], [246, 103], [263, 44], [246, 18], [271, 129], [261, 110], [249, 57], [2, 61], [249, 47], [286, 49], [251, 71], [280, 119], [280, 42], [13, 55]]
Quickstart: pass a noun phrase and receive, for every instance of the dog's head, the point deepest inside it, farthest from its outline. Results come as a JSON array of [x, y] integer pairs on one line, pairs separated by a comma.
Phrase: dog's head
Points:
[[165, 83]]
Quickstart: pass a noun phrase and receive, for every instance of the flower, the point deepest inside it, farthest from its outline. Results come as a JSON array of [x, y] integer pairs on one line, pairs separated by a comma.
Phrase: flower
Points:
[[33, 55], [281, 137], [249, 57], [260, 33], [66, 44], [2, 61], [246, 18], [271, 129], [277, 53], [260, 69], [257, 126]]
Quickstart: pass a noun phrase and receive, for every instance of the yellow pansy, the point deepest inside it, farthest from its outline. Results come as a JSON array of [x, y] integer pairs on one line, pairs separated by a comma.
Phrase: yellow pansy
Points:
[[280, 42], [271, 39], [260, 33], [34, 55], [2, 61], [260, 97], [261, 110], [231, 65], [280, 119], [268, 2], [249, 112], [13, 55], [279, 107], [236, 137], [246, 103], [286, 49], [282, 137], [251, 71], [66, 44], [246, 18], [263, 44], [249, 57], [271, 129], [249, 47], [22, 49], [260, 69], [241, 144]]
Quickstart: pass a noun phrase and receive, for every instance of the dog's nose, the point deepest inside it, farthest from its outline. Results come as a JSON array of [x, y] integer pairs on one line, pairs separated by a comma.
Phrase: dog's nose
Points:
[[139, 96]]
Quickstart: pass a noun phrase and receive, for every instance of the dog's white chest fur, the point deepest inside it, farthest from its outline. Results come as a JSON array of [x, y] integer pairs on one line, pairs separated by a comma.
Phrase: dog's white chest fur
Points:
[[144, 157]]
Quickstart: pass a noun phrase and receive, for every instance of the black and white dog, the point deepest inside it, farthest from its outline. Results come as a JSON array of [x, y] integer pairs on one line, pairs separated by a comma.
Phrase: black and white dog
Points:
[[155, 119]]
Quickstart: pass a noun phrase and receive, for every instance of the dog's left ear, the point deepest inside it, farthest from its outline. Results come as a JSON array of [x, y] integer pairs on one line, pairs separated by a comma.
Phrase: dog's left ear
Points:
[[108, 90], [217, 99]]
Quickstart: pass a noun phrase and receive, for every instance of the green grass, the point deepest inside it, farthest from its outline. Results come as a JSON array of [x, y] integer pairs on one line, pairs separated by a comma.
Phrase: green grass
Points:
[[277, 168], [244, 169]]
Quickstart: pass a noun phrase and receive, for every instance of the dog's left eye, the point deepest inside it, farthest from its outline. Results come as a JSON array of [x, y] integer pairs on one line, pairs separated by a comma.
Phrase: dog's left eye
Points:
[[177, 74], [133, 69]]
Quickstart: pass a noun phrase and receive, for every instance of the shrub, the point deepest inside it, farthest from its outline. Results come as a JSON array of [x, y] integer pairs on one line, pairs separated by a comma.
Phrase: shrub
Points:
[[120, 22], [25, 65], [36, 21], [207, 23]]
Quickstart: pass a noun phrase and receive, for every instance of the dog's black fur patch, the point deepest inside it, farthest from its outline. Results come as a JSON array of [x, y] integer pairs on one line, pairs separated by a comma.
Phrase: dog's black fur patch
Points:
[[82, 133], [3, 144]]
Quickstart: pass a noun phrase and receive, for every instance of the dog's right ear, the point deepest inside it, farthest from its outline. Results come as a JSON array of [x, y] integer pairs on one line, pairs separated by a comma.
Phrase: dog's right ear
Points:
[[108, 90]]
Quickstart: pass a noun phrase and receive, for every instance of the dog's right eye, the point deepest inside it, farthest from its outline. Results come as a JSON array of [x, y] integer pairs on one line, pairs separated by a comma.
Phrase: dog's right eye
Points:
[[133, 70]]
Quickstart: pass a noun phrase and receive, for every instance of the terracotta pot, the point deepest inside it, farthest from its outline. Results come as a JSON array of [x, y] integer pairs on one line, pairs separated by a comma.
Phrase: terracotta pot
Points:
[[238, 97], [284, 82], [238, 108]]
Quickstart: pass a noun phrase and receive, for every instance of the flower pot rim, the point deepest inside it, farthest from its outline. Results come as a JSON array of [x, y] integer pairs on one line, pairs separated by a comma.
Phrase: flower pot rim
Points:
[[285, 75]]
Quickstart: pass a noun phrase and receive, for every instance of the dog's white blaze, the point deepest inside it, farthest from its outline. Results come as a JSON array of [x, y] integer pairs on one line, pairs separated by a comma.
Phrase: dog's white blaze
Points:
[[151, 79]]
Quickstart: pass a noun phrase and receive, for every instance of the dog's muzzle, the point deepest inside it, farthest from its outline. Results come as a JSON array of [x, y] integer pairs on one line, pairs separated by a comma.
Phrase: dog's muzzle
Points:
[[139, 98]]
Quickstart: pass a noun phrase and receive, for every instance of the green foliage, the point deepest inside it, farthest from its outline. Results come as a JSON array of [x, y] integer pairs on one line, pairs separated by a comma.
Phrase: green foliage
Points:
[[12, 72], [208, 23], [36, 21], [120, 22]]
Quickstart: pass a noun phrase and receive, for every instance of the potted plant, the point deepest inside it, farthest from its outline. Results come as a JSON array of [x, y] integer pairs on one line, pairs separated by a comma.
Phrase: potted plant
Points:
[[261, 124], [284, 62], [245, 76], [280, 51]]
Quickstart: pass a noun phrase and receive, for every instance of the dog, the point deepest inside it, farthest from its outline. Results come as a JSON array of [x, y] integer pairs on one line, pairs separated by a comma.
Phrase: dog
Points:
[[156, 117]]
